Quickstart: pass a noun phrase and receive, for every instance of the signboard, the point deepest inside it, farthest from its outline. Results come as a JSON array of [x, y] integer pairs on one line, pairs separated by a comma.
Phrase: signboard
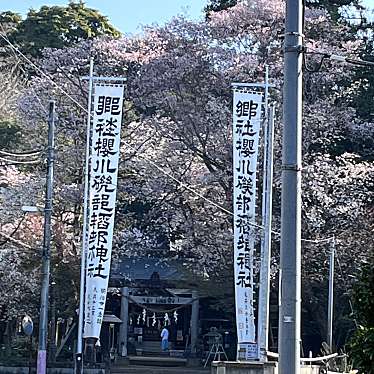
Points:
[[105, 145], [160, 300], [248, 351], [246, 128]]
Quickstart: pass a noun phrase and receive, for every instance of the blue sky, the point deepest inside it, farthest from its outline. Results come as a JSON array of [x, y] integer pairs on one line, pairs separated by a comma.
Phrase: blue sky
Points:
[[125, 15], [129, 15]]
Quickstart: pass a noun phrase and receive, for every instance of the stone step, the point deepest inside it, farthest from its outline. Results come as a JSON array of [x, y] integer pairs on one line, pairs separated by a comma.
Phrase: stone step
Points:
[[164, 361], [140, 369]]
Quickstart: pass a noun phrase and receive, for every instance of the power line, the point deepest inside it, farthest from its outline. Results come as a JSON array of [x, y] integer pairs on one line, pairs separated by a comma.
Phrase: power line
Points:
[[182, 184], [21, 154], [19, 60], [14, 231], [334, 57], [15, 162], [346, 289], [41, 71], [85, 110], [19, 242]]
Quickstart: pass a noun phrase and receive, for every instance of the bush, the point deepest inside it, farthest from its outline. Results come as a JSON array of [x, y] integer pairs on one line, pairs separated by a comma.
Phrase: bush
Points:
[[361, 346], [362, 350]]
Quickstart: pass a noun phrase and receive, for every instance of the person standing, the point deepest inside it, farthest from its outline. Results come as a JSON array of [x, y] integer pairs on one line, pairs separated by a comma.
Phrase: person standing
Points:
[[164, 339]]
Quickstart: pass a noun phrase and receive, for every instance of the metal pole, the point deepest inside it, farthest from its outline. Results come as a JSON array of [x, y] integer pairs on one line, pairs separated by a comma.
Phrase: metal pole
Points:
[[30, 354], [264, 293], [53, 347], [78, 368], [290, 254], [123, 329], [43, 319], [262, 287], [194, 322], [331, 295]]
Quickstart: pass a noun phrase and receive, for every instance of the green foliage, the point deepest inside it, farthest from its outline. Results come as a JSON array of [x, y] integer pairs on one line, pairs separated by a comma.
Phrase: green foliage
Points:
[[363, 296], [58, 27], [362, 350], [332, 6], [64, 291], [217, 5], [9, 19], [363, 93], [362, 343], [9, 134]]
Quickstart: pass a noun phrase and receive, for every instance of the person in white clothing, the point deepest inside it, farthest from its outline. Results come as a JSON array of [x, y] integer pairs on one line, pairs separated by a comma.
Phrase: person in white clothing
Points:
[[164, 339]]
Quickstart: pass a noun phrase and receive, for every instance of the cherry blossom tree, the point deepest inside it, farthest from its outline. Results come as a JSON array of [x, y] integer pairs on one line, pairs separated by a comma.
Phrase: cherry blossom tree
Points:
[[176, 138]]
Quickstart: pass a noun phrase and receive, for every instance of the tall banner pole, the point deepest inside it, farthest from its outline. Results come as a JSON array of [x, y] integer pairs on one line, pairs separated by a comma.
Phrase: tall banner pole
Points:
[[247, 108], [264, 292], [262, 295], [78, 368]]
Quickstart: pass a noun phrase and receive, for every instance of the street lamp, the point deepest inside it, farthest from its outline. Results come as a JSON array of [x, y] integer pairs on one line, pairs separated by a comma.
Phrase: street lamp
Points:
[[32, 209]]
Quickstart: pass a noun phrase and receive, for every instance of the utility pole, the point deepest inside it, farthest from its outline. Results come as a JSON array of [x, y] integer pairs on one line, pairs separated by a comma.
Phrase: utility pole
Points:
[[53, 347], [43, 319], [290, 261], [331, 295]]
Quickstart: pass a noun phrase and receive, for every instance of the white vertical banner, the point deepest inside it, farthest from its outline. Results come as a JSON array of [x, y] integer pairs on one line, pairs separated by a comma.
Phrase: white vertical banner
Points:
[[105, 150], [246, 129]]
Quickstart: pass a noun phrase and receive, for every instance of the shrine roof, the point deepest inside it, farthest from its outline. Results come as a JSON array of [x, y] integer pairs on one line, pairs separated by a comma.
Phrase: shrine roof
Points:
[[128, 270]]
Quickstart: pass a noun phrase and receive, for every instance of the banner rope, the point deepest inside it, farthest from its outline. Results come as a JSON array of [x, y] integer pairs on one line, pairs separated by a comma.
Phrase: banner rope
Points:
[[154, 310]]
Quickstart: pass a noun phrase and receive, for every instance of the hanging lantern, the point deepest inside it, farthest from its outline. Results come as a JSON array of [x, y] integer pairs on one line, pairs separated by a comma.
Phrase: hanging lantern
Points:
[[175, 315], [154, 320]]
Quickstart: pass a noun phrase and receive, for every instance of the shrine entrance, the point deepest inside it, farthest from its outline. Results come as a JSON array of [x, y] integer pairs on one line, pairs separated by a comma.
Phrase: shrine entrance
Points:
[[145, 312]]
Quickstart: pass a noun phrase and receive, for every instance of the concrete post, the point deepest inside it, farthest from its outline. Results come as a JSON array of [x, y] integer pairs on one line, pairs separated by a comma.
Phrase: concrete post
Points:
[[123, 329], [290, 249], [43, 318], [194, 322], [89, 354]]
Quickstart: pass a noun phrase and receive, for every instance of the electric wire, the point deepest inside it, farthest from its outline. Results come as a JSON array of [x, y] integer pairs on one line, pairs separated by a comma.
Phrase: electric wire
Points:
[[346, 289], [15, 162], [19, 242], [182, 184], [15, 51], [41, 72], [333, 57], [21, 154], [14, 231], [86, 111]]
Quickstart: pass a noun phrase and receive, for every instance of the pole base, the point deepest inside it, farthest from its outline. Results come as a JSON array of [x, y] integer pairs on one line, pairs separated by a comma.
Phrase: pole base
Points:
[[78, 363], [41, 367]]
